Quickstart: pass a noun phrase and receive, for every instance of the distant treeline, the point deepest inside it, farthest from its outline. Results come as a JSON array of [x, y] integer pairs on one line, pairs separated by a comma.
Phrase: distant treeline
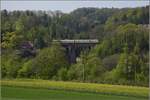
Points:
[[121, 57]]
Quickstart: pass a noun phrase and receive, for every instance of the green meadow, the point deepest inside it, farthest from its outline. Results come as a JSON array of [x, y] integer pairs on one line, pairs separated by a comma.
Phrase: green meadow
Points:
[[52, 90], [15, 93]]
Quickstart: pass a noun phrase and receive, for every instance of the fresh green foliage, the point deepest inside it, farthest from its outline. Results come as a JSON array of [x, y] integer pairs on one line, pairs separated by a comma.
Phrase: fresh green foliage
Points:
[[46, 64], [10, 64], [120, 57], [89, 68]]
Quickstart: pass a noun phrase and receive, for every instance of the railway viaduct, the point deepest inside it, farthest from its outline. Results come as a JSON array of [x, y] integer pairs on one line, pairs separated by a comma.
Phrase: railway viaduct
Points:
[[74, 47]]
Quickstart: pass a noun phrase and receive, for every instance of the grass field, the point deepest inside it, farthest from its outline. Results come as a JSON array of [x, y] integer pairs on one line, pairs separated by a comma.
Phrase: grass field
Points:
[[52, 90], [15, 93]]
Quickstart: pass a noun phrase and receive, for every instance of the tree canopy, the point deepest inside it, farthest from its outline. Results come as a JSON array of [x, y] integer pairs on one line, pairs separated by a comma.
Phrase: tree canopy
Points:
[[120, 57]]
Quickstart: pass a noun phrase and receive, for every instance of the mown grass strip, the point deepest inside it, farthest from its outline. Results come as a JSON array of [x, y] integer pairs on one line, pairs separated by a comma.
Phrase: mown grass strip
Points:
[[82, 87], [20, 93]]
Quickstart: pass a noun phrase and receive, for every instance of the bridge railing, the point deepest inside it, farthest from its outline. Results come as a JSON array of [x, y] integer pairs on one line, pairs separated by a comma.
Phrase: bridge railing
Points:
[[77, 41]]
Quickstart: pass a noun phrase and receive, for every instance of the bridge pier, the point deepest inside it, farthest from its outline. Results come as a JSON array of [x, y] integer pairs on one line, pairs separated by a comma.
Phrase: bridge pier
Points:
[[71, 54]]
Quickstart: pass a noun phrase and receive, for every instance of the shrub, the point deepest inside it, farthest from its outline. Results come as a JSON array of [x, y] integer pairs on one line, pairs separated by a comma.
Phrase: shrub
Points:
[[62, 74]]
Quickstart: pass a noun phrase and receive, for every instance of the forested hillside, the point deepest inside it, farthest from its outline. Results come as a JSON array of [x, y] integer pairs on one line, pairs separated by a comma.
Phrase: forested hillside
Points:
[[121, 57]]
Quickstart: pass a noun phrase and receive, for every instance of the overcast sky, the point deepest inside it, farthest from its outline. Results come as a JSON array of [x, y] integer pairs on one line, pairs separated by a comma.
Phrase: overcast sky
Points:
[[67, 6]]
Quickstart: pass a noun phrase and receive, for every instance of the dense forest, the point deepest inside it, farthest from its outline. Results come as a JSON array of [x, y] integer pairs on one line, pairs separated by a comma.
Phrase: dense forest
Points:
[[120, 57]]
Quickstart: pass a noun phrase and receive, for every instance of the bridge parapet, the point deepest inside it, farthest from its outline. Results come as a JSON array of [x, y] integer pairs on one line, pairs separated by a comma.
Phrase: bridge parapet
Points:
[[88, 41]]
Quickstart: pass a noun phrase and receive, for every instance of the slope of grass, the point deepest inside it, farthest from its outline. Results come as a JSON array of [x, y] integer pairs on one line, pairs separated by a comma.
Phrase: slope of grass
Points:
[[84, 87], [19, 93]]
